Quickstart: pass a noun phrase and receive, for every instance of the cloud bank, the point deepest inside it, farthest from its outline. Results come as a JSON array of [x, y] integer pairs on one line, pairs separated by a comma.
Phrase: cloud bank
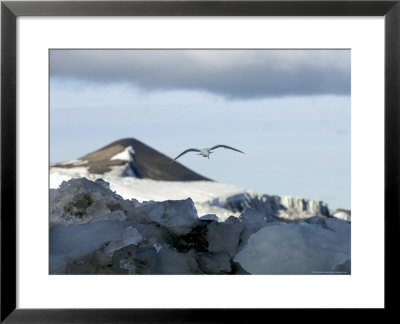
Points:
[[241, 74]]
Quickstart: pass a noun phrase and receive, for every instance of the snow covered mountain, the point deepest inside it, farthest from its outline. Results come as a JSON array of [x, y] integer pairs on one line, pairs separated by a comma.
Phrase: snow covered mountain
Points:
[[130, 157]]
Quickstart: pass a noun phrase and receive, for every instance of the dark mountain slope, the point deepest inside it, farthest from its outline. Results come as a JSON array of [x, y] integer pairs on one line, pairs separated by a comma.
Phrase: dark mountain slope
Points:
[[145, 162]]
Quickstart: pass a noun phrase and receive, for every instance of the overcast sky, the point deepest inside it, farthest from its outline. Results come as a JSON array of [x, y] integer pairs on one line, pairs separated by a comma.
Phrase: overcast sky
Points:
[[288, 110]]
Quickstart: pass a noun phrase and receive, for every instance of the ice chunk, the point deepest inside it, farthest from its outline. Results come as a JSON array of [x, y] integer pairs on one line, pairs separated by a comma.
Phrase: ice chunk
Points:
[[342, 214], [214, 263], [284, 207], [145, 259], [127, 237], [172, 262], [101, 182], [77, 240], [296, 248], [251, 215], [98, 209], [209, 217], [224, 237], [179, 216], [81, 201], [232, 220], [152, 233], [232, 235], [299, 208], [135, 259]]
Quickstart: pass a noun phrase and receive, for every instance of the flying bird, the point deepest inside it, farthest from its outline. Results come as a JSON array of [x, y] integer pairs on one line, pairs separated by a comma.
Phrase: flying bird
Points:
[[206, 151]]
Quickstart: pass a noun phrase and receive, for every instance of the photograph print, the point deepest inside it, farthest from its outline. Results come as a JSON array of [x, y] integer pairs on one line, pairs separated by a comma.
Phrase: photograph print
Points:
[[199, 161]]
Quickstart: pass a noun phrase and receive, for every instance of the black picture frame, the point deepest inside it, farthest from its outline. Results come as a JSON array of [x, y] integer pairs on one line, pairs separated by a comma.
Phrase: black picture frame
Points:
[[10, 10]]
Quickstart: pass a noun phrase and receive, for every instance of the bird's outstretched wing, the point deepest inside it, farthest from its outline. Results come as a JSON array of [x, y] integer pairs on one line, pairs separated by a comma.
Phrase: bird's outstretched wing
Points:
[[227, 147], [184, 152]]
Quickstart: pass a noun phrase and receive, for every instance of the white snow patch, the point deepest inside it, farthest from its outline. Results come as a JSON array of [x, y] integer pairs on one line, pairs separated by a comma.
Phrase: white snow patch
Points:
[[126, 155], [58, 175], [201, 192], [342, 215], [209, 197], [75, 162]]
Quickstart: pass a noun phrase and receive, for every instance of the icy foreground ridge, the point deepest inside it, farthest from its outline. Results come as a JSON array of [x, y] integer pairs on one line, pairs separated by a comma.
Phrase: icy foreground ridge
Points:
[[93, 230], [81, 201]]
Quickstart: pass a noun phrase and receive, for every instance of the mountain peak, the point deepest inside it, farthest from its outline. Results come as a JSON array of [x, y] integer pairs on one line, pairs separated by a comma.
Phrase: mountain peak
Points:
[[141, 160]]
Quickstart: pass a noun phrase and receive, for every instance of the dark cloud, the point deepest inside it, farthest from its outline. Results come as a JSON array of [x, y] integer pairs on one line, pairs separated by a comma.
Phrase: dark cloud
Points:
[[230, 73]]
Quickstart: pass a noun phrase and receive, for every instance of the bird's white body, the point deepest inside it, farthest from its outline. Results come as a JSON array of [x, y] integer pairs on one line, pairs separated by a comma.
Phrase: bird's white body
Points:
[[205, 152]]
